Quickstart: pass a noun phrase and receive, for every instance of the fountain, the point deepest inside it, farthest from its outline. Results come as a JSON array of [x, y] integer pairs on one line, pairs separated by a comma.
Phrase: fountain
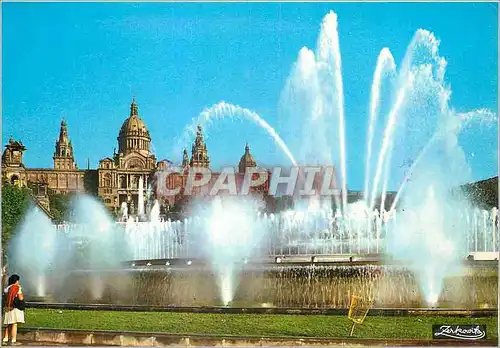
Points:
[[150, 200], [124, 211], [431, 232], [140, 199], [154, 214], [34, 248], [226, 247]]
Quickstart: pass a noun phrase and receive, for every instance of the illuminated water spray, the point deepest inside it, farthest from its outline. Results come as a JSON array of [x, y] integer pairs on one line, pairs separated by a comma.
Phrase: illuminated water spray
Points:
[[385, 66], [225, 110], [428, 233]]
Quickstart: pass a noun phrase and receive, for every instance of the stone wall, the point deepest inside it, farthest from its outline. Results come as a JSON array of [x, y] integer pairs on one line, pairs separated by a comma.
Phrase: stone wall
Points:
[[300, 287]]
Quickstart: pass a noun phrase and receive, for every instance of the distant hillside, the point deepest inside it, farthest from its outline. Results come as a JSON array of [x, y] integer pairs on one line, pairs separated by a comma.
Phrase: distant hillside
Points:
[[483, 194]]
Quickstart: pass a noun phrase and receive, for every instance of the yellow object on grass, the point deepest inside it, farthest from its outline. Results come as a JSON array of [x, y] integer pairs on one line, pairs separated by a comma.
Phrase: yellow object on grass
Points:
[[358, 310]]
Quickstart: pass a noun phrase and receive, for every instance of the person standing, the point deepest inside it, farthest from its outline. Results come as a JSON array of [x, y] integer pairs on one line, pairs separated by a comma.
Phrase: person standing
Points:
[[14, 310]]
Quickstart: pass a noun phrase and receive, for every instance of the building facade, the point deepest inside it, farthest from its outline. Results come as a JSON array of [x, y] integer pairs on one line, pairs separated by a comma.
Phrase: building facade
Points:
[[200, 160], [117, 178], [119, 175]]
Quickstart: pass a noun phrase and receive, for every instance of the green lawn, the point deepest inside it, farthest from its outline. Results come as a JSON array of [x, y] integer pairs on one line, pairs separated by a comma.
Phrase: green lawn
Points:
[[247, 324]]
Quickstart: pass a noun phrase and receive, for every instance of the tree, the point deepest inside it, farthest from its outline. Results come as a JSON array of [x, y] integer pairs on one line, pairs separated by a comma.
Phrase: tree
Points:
[[91, 182], [483, 194], [284, 203], [60, 206], [270, 204], [181, 205], [15, 203]]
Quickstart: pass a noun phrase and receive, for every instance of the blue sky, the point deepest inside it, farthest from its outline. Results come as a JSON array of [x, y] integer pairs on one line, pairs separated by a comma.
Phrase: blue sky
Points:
[[85, 61]]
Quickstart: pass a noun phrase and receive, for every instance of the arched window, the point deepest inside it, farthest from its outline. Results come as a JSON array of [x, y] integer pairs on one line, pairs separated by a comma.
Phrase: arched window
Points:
[[14, 180], [123, 182], [107, 180]]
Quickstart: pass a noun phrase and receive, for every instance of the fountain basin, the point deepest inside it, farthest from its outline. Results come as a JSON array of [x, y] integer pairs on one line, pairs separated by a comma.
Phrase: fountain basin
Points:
[[282, 285], [483, 256], [489, 260]]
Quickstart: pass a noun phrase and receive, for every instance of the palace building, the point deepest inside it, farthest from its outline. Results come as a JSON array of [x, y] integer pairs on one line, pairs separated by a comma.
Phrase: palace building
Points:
[[200, 160], [116, 180]]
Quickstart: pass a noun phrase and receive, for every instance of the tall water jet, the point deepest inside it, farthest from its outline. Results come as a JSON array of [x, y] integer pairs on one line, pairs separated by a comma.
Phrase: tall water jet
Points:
[[140, 199], [314, 98], [302, 109], [411, 169], [106, 245], [482, 117], [328, 52], [386, 176], [430, 230], [231, 234], [428, 237], [405, 124], [149, 193], [387, 139], [385, 66], [155, 212], [36, 249], [223, 110], [124, 211]]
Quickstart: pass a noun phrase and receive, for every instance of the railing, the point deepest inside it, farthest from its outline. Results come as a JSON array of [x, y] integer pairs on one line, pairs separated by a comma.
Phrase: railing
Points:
[[287, 234]]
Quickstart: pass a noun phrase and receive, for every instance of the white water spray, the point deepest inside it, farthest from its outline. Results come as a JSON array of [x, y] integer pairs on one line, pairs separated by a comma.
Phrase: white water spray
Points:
[[34, 249], [140, 199], [232, 234], [329, 53], [385, 66], [386, 143], [223, 110], [428, 219]]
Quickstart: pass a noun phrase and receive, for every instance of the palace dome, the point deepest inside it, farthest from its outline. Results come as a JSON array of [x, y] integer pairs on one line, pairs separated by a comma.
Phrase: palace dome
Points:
[[246, 160], [134, 124], [134, 135]]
